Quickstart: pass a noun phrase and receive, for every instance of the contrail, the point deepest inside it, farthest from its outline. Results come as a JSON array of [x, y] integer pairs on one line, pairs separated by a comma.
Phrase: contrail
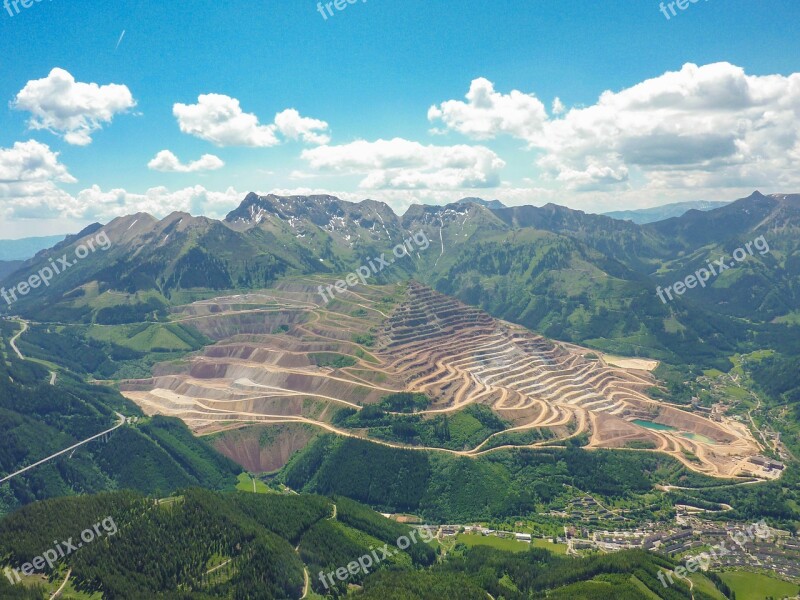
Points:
[[119, 41]]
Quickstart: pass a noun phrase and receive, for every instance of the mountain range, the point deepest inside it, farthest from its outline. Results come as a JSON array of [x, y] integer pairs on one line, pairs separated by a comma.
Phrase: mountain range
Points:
[[576, 277], [570, 275]]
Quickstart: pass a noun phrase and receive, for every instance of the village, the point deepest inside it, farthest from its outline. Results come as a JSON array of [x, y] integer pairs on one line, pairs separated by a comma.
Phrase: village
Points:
[[777, 551]]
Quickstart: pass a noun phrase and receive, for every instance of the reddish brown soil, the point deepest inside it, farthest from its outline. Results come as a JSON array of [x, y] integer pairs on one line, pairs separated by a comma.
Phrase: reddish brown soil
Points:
[[243, 446]]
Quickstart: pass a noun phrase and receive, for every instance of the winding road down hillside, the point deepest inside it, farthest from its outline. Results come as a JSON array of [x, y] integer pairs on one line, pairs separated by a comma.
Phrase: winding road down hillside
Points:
[[13, 340], [13, 344], [52, 382]]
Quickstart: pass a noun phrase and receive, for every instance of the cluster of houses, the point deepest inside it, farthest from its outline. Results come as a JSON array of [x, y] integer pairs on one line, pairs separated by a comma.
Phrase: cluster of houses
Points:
[[780, 553]]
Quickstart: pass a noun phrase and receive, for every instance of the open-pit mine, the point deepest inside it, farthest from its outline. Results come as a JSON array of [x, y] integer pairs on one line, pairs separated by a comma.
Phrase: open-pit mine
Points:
[[265, 368]]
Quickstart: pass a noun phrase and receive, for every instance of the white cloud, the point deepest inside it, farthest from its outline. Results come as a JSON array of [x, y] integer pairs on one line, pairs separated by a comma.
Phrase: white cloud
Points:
[[292, 125], [29, 174], [31, 161], [487, 113], [41, 201], [72, 109], [219, 119], [167, 162], [96, 204], [702, 126], [404, 164]]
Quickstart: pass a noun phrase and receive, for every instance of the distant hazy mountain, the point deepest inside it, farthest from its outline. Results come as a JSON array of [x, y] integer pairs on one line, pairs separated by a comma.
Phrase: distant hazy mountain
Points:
[[490, 204], [25, 248], [659, 213]]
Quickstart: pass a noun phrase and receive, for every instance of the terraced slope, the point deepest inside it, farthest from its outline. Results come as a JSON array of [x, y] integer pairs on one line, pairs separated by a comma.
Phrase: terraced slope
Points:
[[283, 356], [265, 367]]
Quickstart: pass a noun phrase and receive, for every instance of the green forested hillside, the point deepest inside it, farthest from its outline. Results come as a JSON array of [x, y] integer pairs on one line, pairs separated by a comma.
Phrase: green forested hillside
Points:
[[499, 485], [462, 430], [170, 549], [627, 575], [204, 544], [570, 292], [108, 352], [155, 455], [520, 483]]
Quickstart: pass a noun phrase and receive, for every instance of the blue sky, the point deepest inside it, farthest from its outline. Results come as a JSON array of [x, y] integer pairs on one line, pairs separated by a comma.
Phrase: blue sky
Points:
[[355, 91]]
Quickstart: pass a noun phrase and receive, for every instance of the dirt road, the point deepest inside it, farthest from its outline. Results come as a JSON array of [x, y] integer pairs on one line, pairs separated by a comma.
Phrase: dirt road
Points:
[[14, 339]]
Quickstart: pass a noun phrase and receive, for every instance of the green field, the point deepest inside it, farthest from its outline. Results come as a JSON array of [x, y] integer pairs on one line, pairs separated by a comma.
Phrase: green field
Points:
[[792, 318], [551, 546], [146, 337], [68, 593], [507, 544], [647, 592], [754, 586], [705, 585], [245, 484]]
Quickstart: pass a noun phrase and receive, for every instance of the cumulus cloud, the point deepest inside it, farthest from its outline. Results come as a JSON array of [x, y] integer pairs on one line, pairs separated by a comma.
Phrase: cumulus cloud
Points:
[[29, 177], [220, 120], [404, 164], [31, 161], [487, 113], [293, 126], [44, 201], [699, 126], [30, 174], [167, 162], [94, 203], [72, 109]]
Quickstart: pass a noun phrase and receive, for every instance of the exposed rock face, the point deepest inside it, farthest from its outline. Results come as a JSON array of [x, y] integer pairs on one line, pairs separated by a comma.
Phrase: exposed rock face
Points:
[[392, 339], [263, 449]]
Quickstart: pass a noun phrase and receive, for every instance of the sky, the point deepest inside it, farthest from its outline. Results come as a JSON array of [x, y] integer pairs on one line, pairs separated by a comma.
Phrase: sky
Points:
[[116, 108]]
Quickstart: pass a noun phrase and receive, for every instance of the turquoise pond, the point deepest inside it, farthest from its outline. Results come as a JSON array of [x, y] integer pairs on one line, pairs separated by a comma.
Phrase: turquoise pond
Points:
[[651, 425], [660, 427]]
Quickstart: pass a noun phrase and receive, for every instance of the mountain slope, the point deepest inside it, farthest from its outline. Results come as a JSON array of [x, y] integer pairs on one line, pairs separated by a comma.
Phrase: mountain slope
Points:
[[267, 546], [203, 544], [576, 276], [9, 266], [759, 239], [38, 419]]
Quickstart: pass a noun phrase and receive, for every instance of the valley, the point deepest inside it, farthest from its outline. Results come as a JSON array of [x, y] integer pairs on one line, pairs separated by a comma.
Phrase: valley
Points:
[[519, 374], [421, 302]]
